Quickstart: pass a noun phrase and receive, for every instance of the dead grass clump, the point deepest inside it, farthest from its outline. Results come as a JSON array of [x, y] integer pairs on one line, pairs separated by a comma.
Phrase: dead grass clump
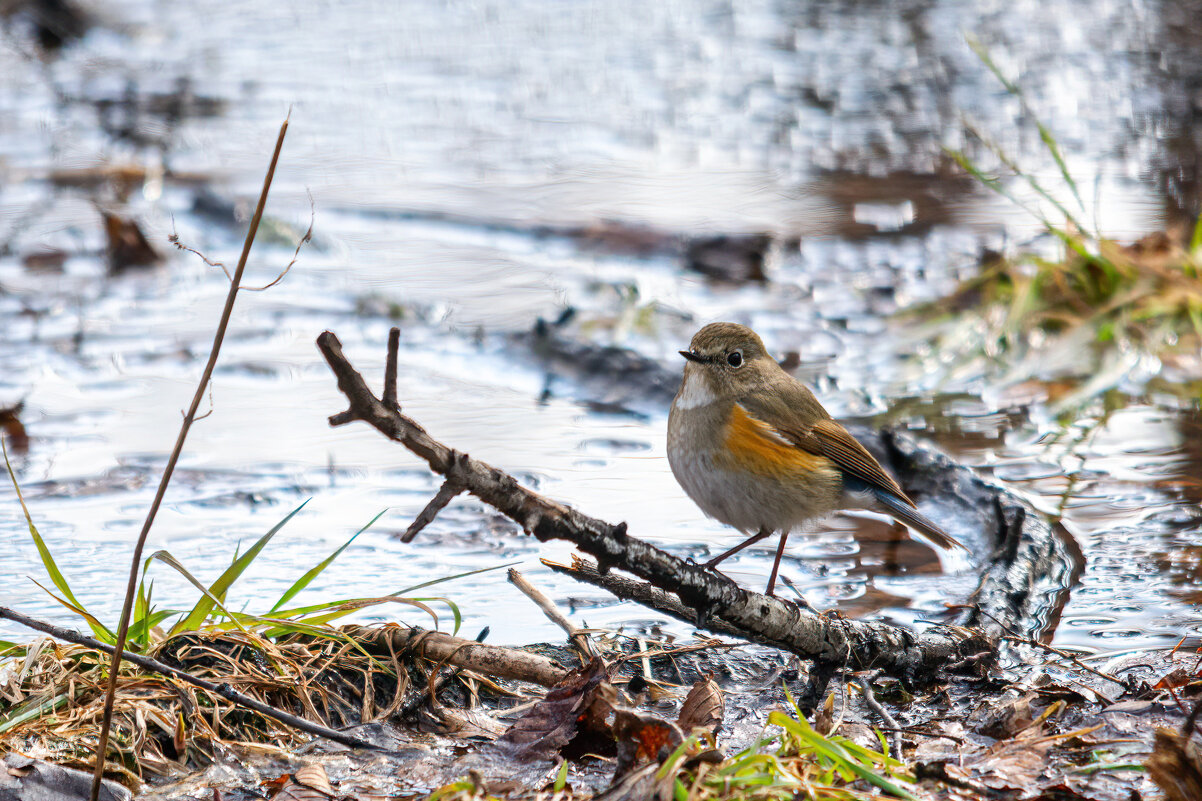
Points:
[[53, 700], [1148, 293]]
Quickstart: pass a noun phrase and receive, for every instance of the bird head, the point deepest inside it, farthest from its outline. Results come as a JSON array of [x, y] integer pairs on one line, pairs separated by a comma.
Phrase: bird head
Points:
[[730, 358]]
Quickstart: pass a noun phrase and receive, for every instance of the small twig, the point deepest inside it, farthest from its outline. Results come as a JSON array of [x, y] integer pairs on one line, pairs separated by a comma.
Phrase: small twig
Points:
[[1016, 637], [801, 599], [307, 237], [578, 637], [389, 396], [224, 690], [174, 239], [446, 493], [919, 733], [136, 562], [870, 698], [640, 592], [304, 240]]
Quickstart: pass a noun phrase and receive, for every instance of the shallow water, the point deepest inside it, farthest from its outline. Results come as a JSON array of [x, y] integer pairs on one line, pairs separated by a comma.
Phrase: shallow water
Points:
[[451, 152]]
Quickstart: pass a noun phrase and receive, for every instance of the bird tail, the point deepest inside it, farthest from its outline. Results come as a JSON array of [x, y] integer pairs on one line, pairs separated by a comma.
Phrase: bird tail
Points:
[[915, 519]]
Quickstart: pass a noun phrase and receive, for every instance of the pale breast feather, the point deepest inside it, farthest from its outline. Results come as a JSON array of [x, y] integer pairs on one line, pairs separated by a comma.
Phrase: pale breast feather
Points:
[[695, 393]]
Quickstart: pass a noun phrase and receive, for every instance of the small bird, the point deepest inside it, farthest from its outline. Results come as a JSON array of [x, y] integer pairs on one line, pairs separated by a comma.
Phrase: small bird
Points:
[[754, 448]]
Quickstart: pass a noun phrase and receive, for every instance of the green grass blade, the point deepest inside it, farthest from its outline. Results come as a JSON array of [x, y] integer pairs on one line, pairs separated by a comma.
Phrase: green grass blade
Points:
[[48, 562], [838, 755], [1053, 147], [99, 629], [351, 606], [211, 600], [306, 579], [1045, 135], [1195, 242], [432, 582], [31, 710], [11, 650], [143, 628], [217, 590], [141, 612]]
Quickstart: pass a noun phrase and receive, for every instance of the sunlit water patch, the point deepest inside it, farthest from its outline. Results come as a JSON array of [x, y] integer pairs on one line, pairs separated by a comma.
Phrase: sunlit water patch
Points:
[[462, 160]]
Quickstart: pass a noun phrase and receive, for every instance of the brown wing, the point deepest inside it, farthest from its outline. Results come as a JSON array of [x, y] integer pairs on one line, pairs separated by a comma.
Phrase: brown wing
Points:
[[793, 411], [835, 443]]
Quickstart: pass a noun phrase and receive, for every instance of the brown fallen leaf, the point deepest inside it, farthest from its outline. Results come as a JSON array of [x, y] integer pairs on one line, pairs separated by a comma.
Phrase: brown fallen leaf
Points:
[[127, 245], [642, 738], [1176, 766], [703, 707], [10, 424], [309, 783], [1003, 719], [574, 709]]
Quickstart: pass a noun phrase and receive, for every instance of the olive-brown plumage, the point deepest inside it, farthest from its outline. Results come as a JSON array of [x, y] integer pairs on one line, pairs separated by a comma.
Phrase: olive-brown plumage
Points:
[[754, 448]]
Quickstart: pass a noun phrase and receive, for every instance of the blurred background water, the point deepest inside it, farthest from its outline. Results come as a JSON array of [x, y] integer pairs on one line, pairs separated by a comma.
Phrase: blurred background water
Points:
[[474, 167]]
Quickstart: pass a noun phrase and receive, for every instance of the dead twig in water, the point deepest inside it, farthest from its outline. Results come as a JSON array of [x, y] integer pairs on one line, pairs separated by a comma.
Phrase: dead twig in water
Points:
[[1014, 636], [189, 418], [894, 728], [578, 637], [909, 655], [224, 690]]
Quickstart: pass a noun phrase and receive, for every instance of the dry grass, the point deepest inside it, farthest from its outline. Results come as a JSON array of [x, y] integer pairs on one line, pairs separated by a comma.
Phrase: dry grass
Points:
[[53, 699]]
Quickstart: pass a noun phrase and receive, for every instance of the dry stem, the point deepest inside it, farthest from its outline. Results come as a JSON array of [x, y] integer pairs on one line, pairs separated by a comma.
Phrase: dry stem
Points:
[[578, 637], [189, 418]]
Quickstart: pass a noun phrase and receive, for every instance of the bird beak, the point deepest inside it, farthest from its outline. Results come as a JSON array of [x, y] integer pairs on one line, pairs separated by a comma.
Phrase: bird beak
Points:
[[693, 357]]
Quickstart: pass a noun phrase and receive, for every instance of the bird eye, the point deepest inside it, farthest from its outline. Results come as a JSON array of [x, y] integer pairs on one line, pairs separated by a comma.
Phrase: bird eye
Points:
[[735, 358]]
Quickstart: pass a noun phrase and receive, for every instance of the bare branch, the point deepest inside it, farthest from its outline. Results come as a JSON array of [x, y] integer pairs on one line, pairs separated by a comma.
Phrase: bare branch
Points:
[[491, 660], [553, 614], [446, 493], [389, 398], [909, 655], [638, 591]]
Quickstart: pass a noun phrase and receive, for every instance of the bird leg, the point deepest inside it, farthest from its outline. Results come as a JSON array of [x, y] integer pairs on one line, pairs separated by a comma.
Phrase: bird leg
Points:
[[780, 551], [749, 541]]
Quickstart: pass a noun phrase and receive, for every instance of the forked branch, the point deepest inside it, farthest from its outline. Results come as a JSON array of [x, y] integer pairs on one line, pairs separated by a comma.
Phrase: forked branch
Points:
[[716, 603]]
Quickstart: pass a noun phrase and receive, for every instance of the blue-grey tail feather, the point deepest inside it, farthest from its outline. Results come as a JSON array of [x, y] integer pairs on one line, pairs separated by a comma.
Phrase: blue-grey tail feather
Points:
[[907, 514]]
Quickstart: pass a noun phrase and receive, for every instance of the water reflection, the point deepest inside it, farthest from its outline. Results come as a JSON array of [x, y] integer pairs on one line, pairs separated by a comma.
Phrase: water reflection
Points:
[[477, 167]]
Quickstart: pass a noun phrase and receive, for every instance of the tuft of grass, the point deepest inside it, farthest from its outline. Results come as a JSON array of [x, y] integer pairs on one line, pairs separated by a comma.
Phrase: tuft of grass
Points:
[[1147, 294], [290, 657], [794, 764], [1094, 307]]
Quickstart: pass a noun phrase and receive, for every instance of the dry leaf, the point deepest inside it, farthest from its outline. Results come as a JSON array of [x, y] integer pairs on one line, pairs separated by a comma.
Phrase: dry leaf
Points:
[[642, 738], [578, 705], [309, 783], [703, 707], [10, 423], [127, 245], [1176, 766]]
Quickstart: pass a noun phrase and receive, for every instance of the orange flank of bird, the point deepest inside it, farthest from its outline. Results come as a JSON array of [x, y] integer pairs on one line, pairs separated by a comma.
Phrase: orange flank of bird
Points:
[[754, 446]]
